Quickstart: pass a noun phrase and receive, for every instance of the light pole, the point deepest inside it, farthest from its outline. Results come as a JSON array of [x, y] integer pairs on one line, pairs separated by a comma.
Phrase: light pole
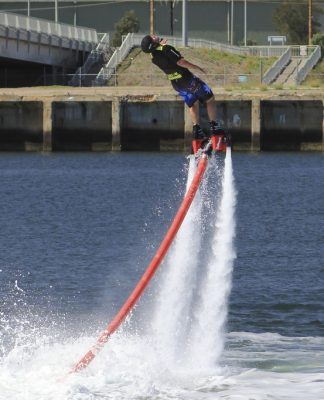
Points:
[[28, 8], [56, 11], [310, 21], [75, 13], [232, 22], [245, 21], [228, 22], [184, 24], [171, 16]]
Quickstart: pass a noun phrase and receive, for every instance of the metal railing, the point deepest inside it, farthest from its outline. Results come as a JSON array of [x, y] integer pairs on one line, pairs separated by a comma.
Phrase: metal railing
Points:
[[275, 70], [226, 79], [136, 39], [104, 42], [278, 51], [303, 51], [98, 55], [309, 64], [49, 28], [150, 79], [207, 44], [119, 54], [267, 51]]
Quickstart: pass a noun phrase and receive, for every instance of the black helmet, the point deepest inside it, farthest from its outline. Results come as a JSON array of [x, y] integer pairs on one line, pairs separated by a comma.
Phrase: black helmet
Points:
[[147, 44]]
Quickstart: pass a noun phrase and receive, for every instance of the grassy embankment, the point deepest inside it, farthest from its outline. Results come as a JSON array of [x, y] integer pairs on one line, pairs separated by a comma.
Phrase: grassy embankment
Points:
[[223, 69], [315, 79]]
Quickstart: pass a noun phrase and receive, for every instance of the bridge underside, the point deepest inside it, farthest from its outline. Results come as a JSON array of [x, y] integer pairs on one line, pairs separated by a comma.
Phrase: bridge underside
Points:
[[17, 73], [37, 52]]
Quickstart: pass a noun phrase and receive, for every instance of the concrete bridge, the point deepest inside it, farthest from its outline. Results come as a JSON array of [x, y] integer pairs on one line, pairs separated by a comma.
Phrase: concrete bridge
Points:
[[44, 42], [36, 52]]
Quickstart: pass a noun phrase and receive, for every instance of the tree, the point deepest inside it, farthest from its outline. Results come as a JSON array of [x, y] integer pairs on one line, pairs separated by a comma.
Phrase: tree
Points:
[[128, 23], [318, 39], [292, 20]]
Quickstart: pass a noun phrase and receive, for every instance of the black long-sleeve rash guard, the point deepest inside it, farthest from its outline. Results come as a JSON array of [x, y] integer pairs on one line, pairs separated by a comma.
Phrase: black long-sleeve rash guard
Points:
[[166, 58]]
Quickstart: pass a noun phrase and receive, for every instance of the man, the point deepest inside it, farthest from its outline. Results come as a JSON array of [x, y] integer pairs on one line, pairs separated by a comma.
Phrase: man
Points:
[[192, 89]]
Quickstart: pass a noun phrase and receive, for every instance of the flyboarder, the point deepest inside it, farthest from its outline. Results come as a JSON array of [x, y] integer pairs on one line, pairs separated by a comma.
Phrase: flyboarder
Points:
[[191, 88]]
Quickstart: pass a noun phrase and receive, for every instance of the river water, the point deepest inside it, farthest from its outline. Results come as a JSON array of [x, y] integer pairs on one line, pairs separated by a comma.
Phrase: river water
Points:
[[77, 232]]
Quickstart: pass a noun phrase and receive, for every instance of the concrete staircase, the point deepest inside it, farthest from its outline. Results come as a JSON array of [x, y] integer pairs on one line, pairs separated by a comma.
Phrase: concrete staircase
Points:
[[86, 75], [290, 73], [293, 66]]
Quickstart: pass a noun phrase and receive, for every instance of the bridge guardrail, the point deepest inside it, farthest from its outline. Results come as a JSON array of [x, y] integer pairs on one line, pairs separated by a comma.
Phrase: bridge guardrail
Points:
[[50, 28]]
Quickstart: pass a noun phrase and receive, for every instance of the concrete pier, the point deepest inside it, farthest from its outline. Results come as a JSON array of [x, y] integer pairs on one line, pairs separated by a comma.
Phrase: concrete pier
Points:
[[256, 125], [154, 119], [152, 125], [115, 124], [21, 125], [323, 129], [81, 125], [47, 126]]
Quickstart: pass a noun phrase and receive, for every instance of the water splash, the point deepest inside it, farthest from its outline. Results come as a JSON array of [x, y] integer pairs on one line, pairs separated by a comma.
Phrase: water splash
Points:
[[192, 304], [208, 335], [171, 317]]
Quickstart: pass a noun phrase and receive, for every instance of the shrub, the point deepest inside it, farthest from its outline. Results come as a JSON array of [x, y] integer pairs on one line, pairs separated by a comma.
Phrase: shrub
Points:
[[128, 23], [318, 39]]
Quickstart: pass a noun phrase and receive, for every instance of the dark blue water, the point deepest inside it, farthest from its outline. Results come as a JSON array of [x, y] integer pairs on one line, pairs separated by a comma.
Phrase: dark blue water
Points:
[[77, 231]]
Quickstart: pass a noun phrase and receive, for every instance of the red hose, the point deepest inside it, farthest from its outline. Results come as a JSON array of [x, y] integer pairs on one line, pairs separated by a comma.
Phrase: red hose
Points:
[[147, 276]]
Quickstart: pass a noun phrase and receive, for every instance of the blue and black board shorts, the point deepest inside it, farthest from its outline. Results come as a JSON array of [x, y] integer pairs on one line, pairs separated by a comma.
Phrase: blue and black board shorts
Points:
[[195, 90]]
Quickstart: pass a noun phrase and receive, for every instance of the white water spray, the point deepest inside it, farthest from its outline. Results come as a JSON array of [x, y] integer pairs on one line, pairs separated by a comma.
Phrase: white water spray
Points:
[[170, 321], [208, 335], [189, 287]]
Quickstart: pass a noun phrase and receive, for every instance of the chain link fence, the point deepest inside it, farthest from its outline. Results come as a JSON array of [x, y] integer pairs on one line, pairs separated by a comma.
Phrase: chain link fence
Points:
[[151, 79]]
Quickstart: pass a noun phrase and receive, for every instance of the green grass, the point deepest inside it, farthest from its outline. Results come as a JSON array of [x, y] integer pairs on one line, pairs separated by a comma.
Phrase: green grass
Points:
[[315, 78], [222, 69]]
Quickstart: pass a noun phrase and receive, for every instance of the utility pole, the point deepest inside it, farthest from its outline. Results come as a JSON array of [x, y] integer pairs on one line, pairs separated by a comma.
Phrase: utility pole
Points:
[[310, 21], [151, 17]]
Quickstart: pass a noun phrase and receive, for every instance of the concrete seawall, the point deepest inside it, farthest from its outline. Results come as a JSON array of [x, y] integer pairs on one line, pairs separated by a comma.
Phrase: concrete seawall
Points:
[[154, 119]]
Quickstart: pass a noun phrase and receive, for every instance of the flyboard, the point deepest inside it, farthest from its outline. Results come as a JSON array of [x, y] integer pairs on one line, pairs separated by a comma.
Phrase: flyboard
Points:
[[202, 148], [214, 143]]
